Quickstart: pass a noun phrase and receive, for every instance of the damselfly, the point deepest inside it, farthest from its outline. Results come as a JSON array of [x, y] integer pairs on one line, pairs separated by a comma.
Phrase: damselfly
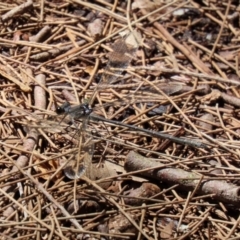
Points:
[[119, 59]]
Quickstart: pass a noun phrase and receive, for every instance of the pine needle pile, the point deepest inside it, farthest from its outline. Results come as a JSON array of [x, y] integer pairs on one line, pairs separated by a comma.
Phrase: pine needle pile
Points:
[[162, 68]]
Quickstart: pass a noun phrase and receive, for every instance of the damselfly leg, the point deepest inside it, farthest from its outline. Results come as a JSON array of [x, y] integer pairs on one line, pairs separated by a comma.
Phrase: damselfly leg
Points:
[[79, 164]]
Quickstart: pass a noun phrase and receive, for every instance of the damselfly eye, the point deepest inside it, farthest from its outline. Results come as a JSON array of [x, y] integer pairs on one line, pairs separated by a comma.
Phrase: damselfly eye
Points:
[[64, 108], [60, 110]]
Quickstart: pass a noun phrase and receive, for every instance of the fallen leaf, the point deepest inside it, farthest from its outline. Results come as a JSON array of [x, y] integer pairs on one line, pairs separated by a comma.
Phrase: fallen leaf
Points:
[[95, 28], [47, 167], [211, 97], [17, 36]]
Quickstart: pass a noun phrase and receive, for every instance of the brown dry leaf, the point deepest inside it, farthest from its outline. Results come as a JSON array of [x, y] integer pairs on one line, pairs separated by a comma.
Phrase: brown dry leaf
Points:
[[148, 5], [101, 171], [221, 214], [25, 37], [234, 122], [120, 224], [157, 65], [12, 76], [25, 78], [17, 36], [146, 190], [71, 35], [47, 167], [11, 141], [89, 70], [150, 47], [211, 97], [120, 169], [168, 230], [95, 28], [181, 78], [228, 55], [133, 39], [206, 126], [170, 88]]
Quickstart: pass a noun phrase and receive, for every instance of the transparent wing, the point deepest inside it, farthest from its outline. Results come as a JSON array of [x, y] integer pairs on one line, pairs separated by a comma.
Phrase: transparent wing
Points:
[[119, 59], [80, 163], [33, 120], [123, 51]]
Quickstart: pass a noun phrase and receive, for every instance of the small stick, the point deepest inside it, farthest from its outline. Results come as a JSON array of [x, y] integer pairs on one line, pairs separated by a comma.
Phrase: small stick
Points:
[[17, 10]]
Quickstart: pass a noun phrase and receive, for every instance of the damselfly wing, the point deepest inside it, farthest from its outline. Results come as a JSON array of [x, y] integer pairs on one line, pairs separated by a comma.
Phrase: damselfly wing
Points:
[[123, 51], [80, 163], [119, 59]]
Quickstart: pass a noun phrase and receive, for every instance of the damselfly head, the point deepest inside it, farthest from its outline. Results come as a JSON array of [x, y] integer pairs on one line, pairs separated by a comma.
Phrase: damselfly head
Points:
[[64, 108]]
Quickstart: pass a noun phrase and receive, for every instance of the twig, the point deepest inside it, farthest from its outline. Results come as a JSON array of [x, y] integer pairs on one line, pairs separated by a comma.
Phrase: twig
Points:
[[17, 10], [221, 190]]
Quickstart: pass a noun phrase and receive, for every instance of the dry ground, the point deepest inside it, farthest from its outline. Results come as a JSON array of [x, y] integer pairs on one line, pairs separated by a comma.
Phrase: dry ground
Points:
[[180, 76]]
